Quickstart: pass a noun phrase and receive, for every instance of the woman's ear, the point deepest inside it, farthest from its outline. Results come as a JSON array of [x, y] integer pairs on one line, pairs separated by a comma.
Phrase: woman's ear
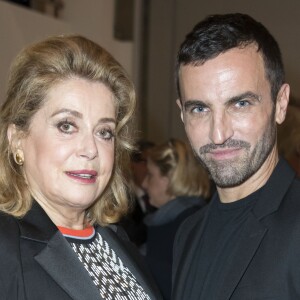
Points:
[[14, 138], [11, 134]]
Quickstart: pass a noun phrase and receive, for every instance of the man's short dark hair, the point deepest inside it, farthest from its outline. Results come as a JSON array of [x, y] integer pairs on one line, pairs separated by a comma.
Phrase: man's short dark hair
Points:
[[217, 34]]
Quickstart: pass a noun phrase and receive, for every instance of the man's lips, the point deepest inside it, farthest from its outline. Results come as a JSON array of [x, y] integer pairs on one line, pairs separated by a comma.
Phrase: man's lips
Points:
[[229, 146], [224, 153]]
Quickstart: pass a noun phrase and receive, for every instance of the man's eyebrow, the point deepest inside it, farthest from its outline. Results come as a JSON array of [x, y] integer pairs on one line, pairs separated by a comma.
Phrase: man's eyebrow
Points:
[[190, 103], [242, 96], [231, 100]]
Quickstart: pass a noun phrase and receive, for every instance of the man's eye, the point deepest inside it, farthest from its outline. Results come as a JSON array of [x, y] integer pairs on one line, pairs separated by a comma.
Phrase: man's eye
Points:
[[199, 109], [242, 103]]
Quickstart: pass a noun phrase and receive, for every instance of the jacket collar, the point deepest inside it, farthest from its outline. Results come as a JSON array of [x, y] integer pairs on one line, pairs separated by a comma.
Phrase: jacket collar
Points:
[[59, 260], [54, 254], [274, 190], [36, 225]]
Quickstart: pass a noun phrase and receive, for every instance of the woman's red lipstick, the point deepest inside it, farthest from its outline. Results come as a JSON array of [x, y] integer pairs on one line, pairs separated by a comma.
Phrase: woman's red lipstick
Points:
[[83, 176]]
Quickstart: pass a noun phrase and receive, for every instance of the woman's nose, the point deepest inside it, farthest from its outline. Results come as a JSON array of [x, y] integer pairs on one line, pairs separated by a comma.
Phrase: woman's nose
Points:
[[88, 147]]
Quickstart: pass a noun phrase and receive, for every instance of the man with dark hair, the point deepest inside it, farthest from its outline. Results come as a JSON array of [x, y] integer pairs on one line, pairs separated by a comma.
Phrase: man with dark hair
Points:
[[245, 244]]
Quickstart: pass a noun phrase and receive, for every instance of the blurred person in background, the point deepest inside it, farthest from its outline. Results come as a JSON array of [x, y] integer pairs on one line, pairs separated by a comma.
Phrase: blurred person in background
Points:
[[177, 186], [140, 207]]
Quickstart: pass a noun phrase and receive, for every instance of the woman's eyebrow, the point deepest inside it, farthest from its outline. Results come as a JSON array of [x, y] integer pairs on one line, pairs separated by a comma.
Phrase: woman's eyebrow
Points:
[[75, 113]]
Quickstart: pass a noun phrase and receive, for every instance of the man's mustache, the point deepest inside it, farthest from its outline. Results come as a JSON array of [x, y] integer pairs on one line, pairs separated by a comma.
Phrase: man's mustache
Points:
[[228, 144]]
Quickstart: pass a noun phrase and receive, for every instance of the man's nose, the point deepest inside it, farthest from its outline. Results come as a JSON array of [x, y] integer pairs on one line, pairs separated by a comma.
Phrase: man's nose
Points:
[[220, 128]]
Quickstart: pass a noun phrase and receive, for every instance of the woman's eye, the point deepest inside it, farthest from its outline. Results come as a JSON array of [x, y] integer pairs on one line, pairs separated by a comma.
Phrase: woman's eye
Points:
[[66, 127], [106, 134]]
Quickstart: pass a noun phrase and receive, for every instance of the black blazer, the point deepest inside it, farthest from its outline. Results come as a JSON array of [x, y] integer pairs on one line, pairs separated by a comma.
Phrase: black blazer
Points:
[[266, 261], [37, 262]]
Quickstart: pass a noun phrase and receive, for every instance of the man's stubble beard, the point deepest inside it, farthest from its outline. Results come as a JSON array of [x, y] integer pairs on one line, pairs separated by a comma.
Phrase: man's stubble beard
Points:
[[233, 172]]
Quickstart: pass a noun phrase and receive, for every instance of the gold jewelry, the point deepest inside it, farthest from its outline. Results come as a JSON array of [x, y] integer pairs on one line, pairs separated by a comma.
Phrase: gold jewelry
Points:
[[19, 159]]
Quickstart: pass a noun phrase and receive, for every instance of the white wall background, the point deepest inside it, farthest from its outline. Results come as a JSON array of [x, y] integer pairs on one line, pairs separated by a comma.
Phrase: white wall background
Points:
[[94, 19]]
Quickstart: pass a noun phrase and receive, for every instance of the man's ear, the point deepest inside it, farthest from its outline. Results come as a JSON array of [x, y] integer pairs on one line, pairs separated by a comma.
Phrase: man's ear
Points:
[[180, 107], [282, 102]]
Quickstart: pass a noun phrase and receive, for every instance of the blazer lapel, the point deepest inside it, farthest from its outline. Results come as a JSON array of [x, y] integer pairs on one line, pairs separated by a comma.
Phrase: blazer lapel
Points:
[[241, 257], [54, 254], [62, 264], [131, 259]]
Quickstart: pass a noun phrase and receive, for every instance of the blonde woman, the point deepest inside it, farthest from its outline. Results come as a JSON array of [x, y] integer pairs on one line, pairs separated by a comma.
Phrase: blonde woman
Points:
[[64, 131]]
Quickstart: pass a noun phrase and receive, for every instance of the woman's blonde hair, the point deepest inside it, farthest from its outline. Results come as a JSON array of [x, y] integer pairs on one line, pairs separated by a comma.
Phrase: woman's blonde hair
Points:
[[176, 161], [34, 72]]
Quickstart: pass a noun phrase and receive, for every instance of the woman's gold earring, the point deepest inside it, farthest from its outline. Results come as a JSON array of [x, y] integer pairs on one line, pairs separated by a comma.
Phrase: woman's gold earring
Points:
[[19, 159]]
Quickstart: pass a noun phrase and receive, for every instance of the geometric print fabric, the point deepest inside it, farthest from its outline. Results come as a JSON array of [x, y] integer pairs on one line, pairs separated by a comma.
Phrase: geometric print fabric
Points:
[[111, 277]]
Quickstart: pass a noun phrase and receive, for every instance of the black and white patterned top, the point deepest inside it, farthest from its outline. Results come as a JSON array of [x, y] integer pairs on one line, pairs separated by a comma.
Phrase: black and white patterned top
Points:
[[113, 279]]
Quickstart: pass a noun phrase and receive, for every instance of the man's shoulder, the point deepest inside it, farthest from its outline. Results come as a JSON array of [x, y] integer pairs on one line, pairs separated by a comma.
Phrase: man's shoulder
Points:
[[185, 236], [194, 219], [190, 225], [293, 191], [292, 197], [295, 184]]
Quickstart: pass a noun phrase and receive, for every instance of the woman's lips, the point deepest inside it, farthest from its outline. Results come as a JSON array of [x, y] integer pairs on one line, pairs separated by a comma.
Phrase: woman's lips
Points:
[[83, 176]]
